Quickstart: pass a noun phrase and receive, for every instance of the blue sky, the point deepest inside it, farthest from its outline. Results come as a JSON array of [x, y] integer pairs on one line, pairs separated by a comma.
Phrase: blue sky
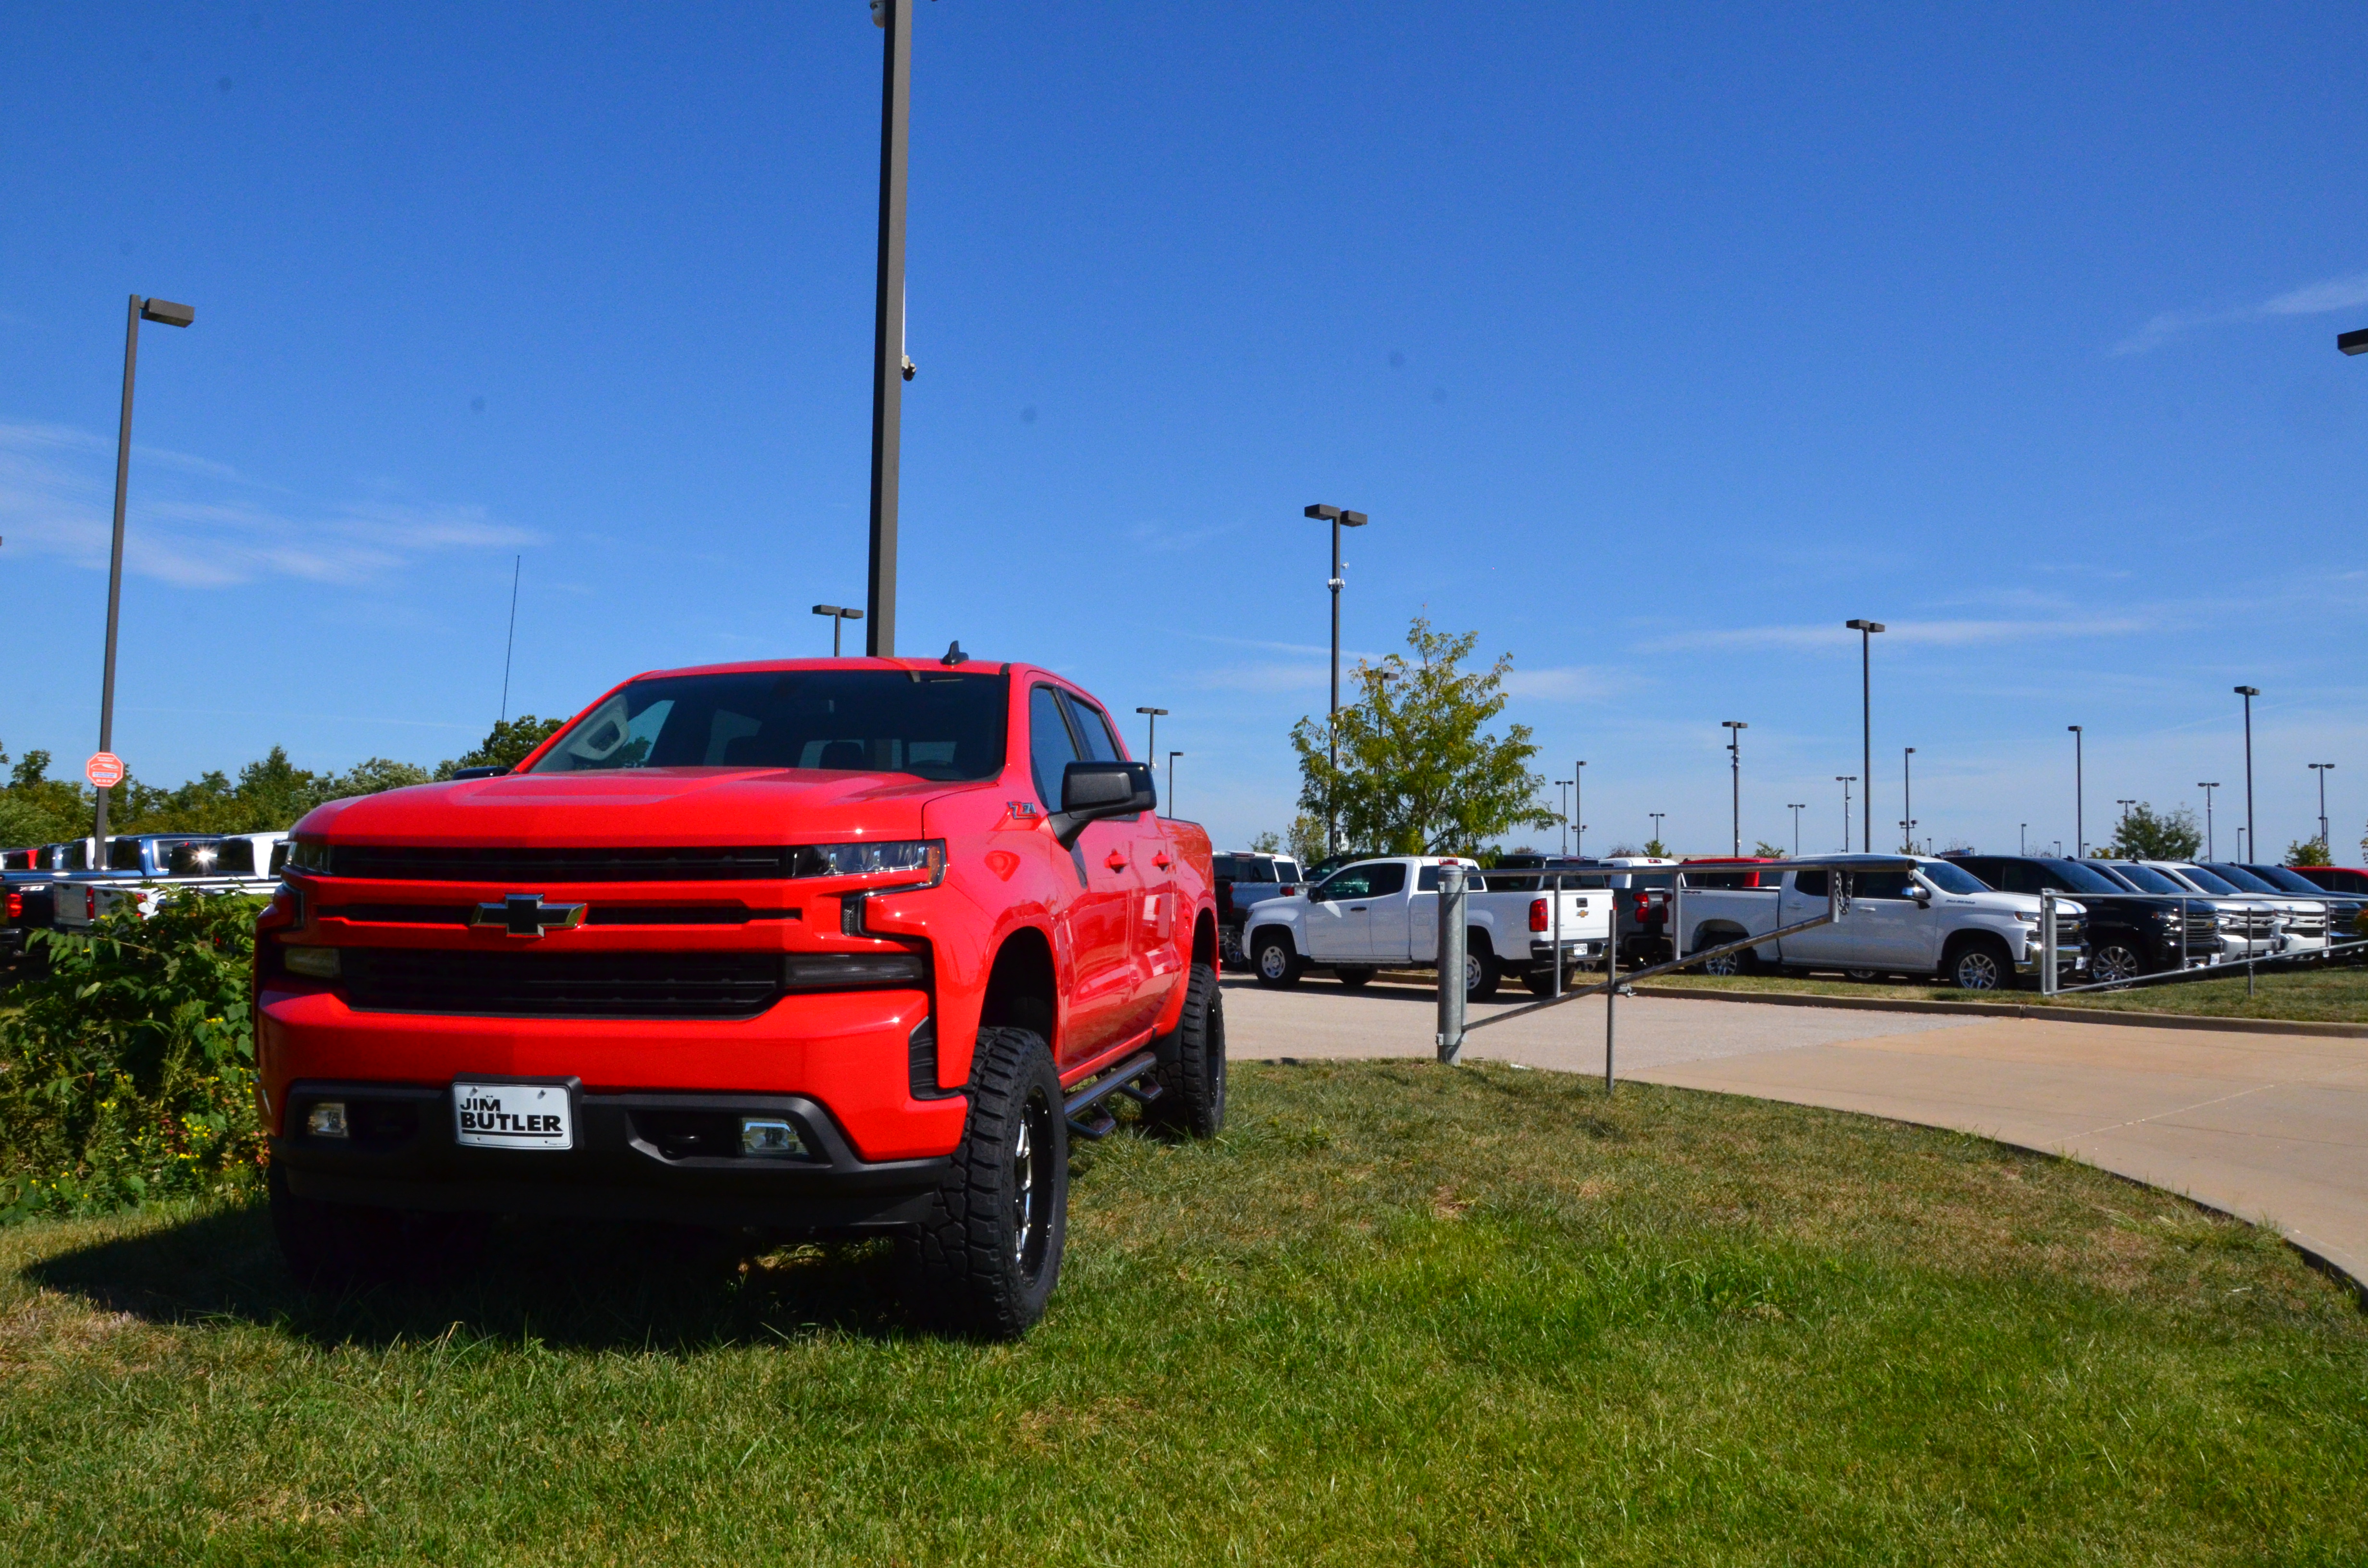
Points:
[[1656, 341]]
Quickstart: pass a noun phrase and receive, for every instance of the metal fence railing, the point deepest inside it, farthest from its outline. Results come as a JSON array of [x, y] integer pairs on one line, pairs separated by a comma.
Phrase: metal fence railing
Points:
[[2261, 922], [1455, 1023]]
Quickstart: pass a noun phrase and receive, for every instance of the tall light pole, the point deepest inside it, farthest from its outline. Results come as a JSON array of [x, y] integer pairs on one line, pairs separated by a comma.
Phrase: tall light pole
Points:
[[1578, 809], [2022, 839], [1151, 742], [1796, 808], [1734, 728], [2080, 827], [1171, 782], [2323, 769], [1844, 781], [1656, 817], [839, 615], [2252, 835], [2207, 789], [1908, 798], [169, 314], [1866, 631], [1565, 784], [1339, 519], [889, 368]]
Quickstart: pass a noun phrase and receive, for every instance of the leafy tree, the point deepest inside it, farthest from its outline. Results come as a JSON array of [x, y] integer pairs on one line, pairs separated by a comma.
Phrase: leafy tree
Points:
[[1767, 851], [506, 746], [371, 776], [2149, 834], [1654, 847], [1419, 774], [1626, 851], [38, 809], [2307, 852], [1306, 839]]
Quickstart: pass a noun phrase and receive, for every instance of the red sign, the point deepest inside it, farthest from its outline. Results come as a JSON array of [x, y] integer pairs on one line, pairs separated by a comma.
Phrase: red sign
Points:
[[106, 770]]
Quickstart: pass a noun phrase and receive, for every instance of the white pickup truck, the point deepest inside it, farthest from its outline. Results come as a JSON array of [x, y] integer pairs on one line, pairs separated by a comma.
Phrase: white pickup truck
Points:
[[1938, 919], [143, 867], [1384, 912]]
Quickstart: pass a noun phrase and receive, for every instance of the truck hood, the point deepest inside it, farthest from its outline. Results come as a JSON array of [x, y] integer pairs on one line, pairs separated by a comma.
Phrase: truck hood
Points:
[[638, 807]]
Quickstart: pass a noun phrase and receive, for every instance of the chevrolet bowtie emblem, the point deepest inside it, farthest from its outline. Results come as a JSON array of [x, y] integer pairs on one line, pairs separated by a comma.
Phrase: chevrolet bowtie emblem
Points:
[[525, 914]]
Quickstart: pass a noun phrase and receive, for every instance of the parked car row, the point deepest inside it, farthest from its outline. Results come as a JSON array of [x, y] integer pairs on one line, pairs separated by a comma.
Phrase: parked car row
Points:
[[56, 885], [1974, 921]]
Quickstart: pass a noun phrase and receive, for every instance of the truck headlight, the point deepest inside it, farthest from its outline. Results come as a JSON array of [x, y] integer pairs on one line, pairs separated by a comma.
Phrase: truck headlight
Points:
[[926, 855]]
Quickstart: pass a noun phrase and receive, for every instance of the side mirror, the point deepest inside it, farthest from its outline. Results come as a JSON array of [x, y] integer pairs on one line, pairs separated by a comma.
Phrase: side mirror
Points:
[[1091, 792], [1922, 894]]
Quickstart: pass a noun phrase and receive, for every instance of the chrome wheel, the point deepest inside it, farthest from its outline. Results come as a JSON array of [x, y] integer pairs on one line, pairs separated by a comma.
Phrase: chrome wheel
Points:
[[1978, 971], [1472, 972], [1274, 961], [1027, 1222], [1726, 963], [2115, 965]]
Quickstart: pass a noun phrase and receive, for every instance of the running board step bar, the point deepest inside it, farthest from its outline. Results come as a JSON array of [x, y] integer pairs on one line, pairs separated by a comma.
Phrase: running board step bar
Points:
[[1118, 1080]]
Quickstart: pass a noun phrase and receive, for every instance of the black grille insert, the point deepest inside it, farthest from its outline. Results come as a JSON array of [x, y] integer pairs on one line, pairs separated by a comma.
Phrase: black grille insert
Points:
[[599, 913], [589, 985], [505, 864]]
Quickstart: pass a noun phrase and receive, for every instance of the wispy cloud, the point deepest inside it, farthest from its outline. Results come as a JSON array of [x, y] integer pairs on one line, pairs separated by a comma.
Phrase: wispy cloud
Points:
[[1570, 683], [1941, 633], [201, 523], [2310, 300]]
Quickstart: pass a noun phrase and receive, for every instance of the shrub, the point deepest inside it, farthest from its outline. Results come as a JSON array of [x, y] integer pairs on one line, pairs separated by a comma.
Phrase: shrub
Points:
[[129, 1073]]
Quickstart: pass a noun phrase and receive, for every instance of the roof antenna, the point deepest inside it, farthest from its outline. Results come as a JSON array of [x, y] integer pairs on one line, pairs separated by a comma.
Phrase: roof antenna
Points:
[[954, 655]]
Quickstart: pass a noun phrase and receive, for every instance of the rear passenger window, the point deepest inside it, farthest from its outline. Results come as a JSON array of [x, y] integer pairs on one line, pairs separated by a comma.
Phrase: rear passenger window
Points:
[[1049, 750], [1387, 878], [278, 857], [1811, 884]]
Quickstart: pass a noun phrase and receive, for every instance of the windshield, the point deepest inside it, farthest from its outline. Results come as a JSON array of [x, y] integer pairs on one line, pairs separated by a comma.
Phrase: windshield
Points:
[[1951, 879], [2242, 880], [945, 726], [2078, 878], [2146, 879], [2204, 880], [2285, 880]]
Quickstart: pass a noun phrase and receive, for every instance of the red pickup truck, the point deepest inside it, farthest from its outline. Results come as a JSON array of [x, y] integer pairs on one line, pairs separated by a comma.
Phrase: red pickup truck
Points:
[[812, 946]]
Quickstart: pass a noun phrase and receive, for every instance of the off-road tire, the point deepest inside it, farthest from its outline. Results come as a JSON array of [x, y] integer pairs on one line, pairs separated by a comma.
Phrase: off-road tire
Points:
[[1981, 964], [1352, 975], [332, 1246], [984, 1261], [1282, 970], [1192, 1088]]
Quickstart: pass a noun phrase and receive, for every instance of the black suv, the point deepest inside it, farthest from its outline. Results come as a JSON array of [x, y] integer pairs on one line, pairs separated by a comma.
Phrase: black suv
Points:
[[2127, 937]]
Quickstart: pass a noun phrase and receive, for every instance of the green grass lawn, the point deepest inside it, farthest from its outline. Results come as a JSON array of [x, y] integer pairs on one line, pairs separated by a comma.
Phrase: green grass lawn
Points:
[[1398, 1314], [2332, 995]]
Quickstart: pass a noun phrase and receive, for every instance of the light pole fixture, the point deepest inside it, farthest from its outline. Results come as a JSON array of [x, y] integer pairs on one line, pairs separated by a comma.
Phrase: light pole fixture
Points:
[[2249, 693], [2207, 789], [1171, 782], [2354, 342], [2022, 839], [2080, 827], [1908, 798], [1565, 784], [1844, 781], [839, 615], [1796, 808], [166, 314], [890, 367], [1578, 809], [1866, 631], [1734, 728], [1656, 817], [1151, 742], [2323, 769], [1339, 519]]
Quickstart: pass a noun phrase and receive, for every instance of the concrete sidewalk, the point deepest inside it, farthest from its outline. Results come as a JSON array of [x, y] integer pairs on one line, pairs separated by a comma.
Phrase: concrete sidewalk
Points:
[[2273, 1128]]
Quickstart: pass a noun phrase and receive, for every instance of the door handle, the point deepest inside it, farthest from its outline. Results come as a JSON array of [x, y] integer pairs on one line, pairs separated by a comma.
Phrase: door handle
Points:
[[1117, 862], [1356, 909]]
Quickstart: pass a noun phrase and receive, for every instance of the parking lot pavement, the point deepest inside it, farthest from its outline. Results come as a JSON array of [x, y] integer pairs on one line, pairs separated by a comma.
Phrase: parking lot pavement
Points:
[[2270, 1127]]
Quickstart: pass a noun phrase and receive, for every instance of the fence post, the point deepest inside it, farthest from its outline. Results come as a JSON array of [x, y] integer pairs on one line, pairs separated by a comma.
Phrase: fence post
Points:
[[1557, 932], [1451, 963], [2047, 943], [1610, 986]]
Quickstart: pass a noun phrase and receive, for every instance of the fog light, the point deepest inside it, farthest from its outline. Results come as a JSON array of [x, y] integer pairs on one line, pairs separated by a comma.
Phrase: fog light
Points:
[[326, 1120], [320, 963], [768, 1138]]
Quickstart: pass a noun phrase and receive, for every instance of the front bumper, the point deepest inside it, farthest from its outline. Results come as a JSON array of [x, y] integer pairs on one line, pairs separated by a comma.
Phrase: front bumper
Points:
[[637, 1156]]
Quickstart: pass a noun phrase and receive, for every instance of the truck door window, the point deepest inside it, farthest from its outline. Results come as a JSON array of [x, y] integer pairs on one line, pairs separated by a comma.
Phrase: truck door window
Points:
[[1349, 881], [1049, 747], [279, 858], [1386, 878], [1093, 731], [1880, 884], [1810, 884], [123, 855], [1951, 879]]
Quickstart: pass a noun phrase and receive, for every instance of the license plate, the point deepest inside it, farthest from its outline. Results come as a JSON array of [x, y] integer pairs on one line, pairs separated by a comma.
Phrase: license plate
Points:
[[512, 1116]]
